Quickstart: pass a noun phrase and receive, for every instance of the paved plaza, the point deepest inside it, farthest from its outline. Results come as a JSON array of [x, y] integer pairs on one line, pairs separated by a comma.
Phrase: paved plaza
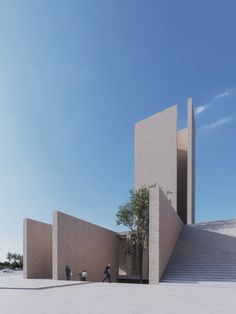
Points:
[[41, 297]]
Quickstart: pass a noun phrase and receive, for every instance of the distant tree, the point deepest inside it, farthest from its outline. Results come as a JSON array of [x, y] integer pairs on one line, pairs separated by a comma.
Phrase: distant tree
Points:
[[20, 260], [9, 257], [14, 260], [14, 256], [4, 265], [135, 215]]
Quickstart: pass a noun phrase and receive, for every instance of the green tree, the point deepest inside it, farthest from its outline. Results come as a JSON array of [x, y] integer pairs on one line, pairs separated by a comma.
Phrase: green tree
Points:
[[135, 215]]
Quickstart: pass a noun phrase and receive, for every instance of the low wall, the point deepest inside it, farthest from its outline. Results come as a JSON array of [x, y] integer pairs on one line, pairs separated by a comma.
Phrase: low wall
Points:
[[82, 245], [37, 249], [164, 231]]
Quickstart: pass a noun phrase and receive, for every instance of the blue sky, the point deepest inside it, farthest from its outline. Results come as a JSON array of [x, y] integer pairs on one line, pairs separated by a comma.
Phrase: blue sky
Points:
[[74, 78]]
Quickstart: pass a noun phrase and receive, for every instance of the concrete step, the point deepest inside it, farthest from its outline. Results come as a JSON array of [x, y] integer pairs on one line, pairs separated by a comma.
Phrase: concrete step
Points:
[[204, 252]]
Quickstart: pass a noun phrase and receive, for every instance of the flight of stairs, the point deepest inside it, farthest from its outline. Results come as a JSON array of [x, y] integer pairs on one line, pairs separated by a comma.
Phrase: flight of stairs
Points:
[[204, 252]]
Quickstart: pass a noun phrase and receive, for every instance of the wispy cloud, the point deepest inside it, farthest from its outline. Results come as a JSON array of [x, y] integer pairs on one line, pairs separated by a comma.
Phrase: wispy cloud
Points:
[[222, 95], [212, 102], [200, 109], [218, 123]]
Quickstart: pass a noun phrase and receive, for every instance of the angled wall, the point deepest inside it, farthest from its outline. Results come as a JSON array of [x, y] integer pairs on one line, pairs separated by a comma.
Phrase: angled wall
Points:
[[37, 249], [156, 152], [82, 245], [164, 231], [191, 165]]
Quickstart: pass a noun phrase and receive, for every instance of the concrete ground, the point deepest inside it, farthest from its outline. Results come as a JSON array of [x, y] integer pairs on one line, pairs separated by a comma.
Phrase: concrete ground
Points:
[[15, 281], [96, 298]]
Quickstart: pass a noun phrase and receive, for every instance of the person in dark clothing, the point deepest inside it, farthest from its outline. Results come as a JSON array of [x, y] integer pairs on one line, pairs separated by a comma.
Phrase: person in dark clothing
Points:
[[68, 272], [107, 272]]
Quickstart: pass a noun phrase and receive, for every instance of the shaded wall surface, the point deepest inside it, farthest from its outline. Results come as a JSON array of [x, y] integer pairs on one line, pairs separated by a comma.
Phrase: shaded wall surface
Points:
[[164, 231], [82, 245], [170, 226], [37, 249], [128, 259], [182, 174], [191, 165], [125, 262], [156, 152]]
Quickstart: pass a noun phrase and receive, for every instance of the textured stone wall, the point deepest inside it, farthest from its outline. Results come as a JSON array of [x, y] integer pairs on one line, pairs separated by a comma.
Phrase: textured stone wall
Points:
[[156, 152], [191, 165], [164, 231], [37, 249], [154, 235], [83, 245]]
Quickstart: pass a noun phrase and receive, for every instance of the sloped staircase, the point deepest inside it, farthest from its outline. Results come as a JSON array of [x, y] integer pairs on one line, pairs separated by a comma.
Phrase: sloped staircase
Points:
[[204, 252]]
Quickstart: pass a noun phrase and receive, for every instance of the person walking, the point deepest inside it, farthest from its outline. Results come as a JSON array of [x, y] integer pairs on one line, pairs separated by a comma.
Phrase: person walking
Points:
[[107, 272], [68, 272]]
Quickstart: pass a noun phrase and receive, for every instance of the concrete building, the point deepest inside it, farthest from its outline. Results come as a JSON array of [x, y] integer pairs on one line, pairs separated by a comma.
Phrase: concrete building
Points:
[[165, 159], [68, 241], [165, 162]]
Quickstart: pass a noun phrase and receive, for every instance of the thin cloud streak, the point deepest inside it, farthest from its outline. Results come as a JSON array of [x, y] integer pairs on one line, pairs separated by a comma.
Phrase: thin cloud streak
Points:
[[213, 101], [222, 95], [218, 123]]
